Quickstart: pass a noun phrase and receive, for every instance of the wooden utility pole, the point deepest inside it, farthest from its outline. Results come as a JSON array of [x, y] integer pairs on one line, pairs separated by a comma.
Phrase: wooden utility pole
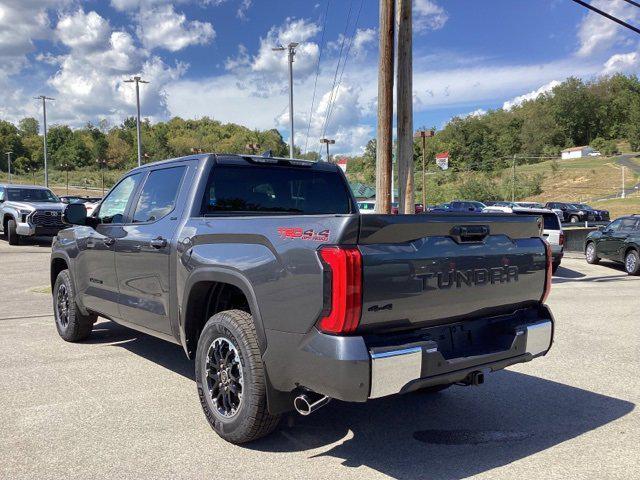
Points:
[[405, 108], [384, 142]]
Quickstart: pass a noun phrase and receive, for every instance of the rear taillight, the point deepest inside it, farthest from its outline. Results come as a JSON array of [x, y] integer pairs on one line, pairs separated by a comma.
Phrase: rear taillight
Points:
[[561, 240], [343, 289], [549, 272]]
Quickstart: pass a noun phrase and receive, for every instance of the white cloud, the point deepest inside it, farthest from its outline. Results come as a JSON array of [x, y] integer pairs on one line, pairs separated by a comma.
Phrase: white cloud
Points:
[[622, 63], [163, 27], [22, 22], [243, 8], [428, 15], [274, 63], [596, 33], [520, 99], [84, 31], [362, 39]]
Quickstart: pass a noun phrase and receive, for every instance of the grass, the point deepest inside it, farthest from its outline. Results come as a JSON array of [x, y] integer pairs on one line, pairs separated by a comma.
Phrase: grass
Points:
[[583, 179], [620, 206]]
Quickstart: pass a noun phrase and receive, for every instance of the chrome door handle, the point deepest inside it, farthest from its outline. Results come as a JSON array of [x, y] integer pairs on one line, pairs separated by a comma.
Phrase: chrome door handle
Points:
[[158, 243], [108, 241]]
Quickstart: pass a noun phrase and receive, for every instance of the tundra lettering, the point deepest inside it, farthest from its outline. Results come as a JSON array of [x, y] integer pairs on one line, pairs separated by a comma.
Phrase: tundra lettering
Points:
[[471, 277]]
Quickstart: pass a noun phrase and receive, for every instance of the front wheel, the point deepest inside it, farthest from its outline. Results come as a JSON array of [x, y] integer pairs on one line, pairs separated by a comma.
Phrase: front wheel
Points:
[[71, 324], [632, 263], [12, 237], [590, 254], [231, 379], [574, 219]]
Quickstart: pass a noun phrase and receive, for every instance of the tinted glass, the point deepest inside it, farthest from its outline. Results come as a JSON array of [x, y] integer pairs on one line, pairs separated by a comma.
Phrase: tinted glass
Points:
[[275, 190], [628, 225], [114, 205], [550, 219], [159, 193], [614, 225], [31, 195]]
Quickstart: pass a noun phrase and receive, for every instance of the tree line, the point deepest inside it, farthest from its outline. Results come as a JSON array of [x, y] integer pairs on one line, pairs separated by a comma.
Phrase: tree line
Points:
[[116, 147], [601, 112]]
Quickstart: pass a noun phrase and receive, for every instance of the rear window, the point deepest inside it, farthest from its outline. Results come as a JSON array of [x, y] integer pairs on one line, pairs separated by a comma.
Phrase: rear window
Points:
[[275, 190], [550, 219]]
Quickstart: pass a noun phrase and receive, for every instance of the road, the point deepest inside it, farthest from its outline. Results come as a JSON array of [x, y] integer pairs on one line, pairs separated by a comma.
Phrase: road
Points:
[[624, 160], [123, 405]]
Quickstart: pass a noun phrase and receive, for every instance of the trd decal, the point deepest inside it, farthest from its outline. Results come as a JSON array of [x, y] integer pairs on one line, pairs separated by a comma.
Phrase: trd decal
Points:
[[297, 232]]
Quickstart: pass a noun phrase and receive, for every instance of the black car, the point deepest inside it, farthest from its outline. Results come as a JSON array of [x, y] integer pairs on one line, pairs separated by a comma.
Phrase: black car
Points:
[[619, 241], [600, 215], [466, 206], [571, 213]]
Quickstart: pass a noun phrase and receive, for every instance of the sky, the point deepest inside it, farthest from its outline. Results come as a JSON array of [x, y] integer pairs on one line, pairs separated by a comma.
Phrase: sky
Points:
[[214, 58]]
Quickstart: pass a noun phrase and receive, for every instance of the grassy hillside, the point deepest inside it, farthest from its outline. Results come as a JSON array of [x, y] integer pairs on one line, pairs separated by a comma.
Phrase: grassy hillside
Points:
[[584, 179]]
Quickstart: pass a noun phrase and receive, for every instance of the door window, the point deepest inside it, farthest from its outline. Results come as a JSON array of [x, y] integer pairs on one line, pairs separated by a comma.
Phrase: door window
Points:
[[114, 205], [628, 225], [159, 193], [614, 226]]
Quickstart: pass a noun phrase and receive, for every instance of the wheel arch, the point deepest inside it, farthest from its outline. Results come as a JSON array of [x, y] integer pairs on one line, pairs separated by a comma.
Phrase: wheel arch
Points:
[[206, 292]]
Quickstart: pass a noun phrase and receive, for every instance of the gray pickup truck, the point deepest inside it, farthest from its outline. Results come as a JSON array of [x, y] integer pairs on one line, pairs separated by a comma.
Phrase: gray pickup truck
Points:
[[286, 297], [28, 210]]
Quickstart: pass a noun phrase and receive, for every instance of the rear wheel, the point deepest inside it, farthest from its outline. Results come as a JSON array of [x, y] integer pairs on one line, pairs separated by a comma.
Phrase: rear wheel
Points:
[[231, 379], [71, 324], [12, 236], [574, 219], [632, 262], [591, 254]]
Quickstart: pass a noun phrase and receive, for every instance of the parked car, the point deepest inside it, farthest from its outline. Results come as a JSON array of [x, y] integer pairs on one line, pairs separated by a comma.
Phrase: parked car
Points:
[[619, 241], [552, 231], [367, 206], [499, 206], [530, 204], [27, 210], [266, 273], [599, 215], [442, 207], [466, 206], [568, 212]]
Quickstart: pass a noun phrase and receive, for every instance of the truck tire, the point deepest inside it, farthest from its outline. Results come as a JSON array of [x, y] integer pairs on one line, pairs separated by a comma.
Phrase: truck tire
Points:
[[12, 237], [71, 324], [590, 253], [554, 267], [574, 219], [632, 262], [231, 380]]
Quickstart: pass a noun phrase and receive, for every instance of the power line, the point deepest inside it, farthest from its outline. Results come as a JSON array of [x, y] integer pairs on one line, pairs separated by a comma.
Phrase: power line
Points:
[[631, 2], [315, 83], [335, 75], [609, 16], [344, 65]]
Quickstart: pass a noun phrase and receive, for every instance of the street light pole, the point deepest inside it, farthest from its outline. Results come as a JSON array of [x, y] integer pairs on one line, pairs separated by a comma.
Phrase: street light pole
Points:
[[328, 142], [66, 173], [102, 163], [9, 164], [138, 80], [44, 117], [291, 48]]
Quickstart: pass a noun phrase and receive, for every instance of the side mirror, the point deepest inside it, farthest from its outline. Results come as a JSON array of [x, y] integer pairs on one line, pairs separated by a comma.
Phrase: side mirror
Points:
[[75, 214]]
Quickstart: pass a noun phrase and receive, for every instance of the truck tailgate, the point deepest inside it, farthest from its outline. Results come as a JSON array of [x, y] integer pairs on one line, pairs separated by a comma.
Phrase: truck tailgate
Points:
[[422, 270]]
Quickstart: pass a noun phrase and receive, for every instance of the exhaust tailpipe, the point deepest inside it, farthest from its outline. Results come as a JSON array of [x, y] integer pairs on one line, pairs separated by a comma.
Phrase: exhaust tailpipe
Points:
[[308, 402]]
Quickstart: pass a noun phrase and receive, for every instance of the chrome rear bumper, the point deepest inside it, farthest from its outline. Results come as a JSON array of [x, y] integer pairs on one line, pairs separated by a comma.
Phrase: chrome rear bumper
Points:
[[393, 370]]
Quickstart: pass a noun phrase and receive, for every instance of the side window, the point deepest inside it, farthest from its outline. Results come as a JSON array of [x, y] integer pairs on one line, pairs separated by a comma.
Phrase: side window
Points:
[[1, 194], [159, 193], [114, 205], [614, 226], [628, 225]]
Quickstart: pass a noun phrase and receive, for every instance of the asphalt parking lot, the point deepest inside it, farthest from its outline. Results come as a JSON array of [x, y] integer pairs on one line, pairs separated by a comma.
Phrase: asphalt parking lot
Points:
[[124, 405]]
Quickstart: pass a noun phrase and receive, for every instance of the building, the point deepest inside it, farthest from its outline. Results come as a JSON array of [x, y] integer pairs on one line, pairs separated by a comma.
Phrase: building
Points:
[[342, 163], [576, 152]]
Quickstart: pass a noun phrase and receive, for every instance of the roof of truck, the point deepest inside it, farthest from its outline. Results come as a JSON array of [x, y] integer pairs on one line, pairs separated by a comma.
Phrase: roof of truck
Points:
[[236, 159], [17, 185]]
